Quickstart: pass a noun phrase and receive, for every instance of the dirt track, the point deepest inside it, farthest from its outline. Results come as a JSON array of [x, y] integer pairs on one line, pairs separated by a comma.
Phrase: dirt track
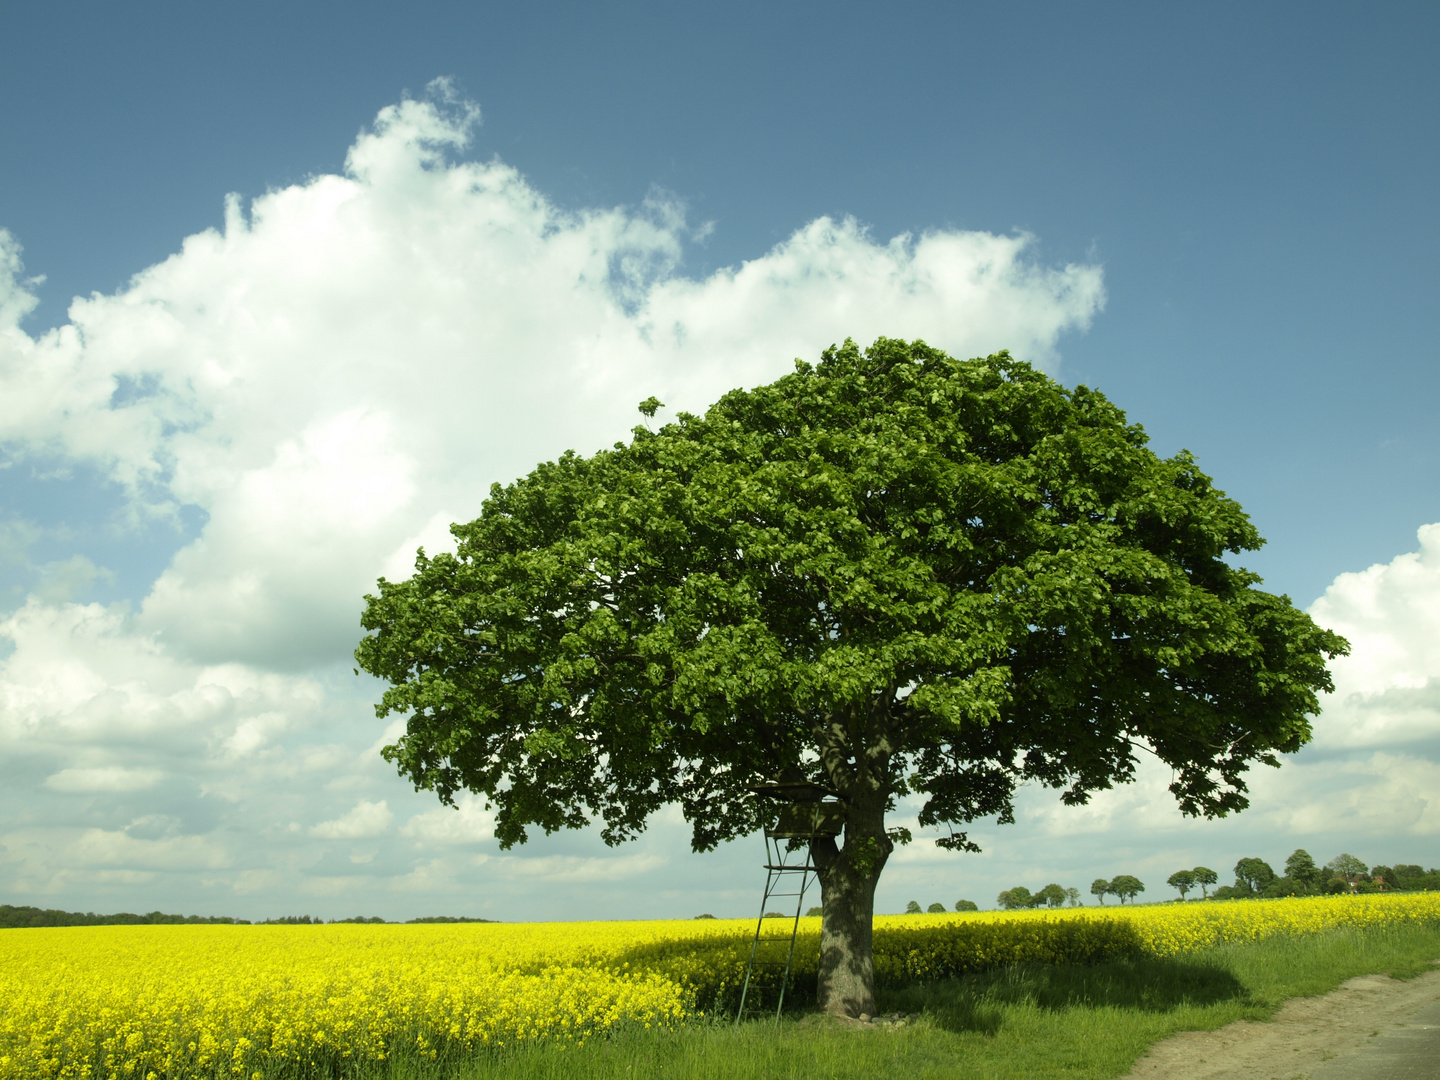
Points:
[[1373, 1026]]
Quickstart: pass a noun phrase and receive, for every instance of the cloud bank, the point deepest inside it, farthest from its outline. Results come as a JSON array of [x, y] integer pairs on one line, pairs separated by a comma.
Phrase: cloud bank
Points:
[[1388, 689], [350, 364]]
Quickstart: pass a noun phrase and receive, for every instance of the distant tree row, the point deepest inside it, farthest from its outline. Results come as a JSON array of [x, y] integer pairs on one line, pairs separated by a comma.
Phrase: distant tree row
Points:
[[1254, 877], [458, 918], [1051, 895], [19, 917], [1125, 886], [13, 917], [306, 920], [1201, 877], [913, 908]]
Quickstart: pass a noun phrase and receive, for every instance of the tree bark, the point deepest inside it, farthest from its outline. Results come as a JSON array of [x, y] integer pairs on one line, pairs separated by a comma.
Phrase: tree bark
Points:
[[848, 875]]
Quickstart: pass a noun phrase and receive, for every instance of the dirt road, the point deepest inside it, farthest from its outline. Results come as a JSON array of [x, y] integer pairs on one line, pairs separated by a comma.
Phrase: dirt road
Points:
[[1373, 1027]]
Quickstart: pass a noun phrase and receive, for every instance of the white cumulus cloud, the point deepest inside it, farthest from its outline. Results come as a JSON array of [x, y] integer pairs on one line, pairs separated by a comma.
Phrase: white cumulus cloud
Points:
[[363, 821], [1387, 691], [354, 355], [106, 778], [467, 822]]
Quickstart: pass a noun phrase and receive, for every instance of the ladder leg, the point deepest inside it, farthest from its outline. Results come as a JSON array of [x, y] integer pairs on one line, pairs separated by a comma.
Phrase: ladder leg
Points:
[[777, 865], [770, 879], [794, 932]]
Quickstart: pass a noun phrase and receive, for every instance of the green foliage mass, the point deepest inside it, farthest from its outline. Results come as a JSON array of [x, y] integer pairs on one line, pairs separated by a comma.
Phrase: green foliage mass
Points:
[[895, 573], [1253, 875], [1052, 895], [1014, 899], [1344, 873], [1182, 881], [17, 916], [1302, 868], [1126, 886]]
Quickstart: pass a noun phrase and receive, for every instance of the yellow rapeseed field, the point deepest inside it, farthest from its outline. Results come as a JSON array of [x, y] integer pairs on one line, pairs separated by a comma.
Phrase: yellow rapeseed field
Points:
[[152, 1002]]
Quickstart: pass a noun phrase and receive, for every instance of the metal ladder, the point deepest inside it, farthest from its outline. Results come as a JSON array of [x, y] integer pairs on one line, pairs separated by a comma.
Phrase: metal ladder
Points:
[[779, 871]]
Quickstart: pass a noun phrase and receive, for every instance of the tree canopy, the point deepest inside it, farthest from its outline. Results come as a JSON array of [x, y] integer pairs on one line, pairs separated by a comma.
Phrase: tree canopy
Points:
[[1302, 868], [1182, 881], [1015, 899], [1347, 866], [894, 573], [1253, 874], [1052, 895], [1126, 886]]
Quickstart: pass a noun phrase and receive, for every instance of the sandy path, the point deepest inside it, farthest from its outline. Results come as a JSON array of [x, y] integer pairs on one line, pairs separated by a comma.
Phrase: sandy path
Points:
[[1354, 1026]]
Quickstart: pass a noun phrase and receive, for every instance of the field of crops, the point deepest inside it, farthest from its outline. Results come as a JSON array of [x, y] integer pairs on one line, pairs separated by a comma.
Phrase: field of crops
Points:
[[264, 1001]]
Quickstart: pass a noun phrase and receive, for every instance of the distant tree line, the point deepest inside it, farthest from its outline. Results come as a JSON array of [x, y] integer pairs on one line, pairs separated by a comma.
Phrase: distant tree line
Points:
[[19, 917], [1052, 896], [1253, 878], [1124, 886], [1345, 873], [937, 908], [12, 917], [456, 918]]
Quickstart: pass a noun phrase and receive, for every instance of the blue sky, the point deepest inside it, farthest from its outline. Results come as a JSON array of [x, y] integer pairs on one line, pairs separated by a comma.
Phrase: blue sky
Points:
[[1223, 218]]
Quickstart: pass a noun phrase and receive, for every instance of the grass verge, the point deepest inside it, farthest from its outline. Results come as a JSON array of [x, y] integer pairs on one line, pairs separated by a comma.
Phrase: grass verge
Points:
[[1082, 1021]]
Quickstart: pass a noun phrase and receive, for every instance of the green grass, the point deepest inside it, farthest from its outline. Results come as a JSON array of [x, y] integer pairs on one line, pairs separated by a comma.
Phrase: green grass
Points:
[[1027, 1022]]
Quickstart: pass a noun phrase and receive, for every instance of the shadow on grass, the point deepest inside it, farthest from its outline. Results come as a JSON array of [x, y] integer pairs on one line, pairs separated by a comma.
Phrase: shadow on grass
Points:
[[979, 1002]]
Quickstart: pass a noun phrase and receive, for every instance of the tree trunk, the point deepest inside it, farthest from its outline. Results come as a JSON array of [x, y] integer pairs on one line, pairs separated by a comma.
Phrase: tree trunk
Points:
[[848, 875]]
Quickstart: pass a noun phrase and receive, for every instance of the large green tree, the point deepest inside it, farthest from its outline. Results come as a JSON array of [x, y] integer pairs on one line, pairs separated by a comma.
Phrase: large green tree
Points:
[[1126, 886], [1302, 868], [1253, 875], [894, 573], [1182, 881]]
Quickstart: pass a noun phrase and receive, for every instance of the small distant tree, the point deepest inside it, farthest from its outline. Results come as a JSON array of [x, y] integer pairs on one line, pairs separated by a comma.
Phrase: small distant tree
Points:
[[814, 912], [966, 905], [1051, 895], [1126, 886], [912, 908], [936, 909], [1253, 875], [1348, 867], [1013, 899], [1205, 877], [1072, 895], [1183, 881], [1302, 868], [1098, 888]]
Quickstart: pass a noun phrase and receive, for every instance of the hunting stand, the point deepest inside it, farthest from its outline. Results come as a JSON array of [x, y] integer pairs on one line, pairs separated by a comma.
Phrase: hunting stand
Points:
[[807, 811]]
